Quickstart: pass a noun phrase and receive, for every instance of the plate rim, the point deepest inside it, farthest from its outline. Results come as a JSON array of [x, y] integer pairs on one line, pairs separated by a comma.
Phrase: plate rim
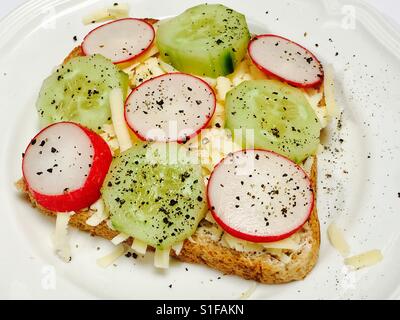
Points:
[[382, 27]]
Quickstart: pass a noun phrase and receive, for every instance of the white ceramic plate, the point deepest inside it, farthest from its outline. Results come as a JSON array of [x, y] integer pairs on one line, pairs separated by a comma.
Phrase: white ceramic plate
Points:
[[361, 195]]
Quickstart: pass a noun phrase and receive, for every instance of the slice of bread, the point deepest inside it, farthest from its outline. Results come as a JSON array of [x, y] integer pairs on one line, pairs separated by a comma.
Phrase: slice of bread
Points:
[[206, 247]]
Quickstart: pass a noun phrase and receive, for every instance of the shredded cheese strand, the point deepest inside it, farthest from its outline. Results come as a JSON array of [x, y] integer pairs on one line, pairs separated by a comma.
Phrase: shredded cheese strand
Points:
[[246, 294], [161, 258], [178, 247], [117, 115], [338, 240], [99, 214], [60, 238], [365, 259], [291, 243], [119, 10], [119, 238], [110, 258], [223, 85], [110, 13], [209, 217]]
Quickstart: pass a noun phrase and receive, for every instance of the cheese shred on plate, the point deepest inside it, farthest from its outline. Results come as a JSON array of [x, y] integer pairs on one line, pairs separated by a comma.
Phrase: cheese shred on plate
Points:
[[117, 11], [337, 240], [99, 214], [139, 246], [329, 92], [108, 134], [365, 259], [60, 238], [119, 238], [110, 258], [130, 69], [161, 258]]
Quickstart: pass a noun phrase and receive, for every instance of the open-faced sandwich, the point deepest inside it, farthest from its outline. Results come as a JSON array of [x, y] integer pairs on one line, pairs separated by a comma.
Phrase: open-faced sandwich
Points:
[[189, 137]]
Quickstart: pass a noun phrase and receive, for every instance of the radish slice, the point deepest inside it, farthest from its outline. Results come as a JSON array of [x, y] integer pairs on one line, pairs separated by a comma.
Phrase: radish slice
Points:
[[64, 166], [286, 60], [259, 196], [170, 107], [121, 40]]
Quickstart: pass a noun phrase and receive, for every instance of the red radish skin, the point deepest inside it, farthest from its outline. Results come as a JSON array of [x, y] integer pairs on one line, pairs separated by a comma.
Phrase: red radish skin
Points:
[[142, 137], [301, 84], [90, 192], [86, 52], [250, 237]]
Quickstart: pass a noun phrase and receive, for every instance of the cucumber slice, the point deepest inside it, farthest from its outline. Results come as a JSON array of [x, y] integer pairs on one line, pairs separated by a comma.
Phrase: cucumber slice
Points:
[[78, 91], [154, 198], [206, 40], [281, 117]]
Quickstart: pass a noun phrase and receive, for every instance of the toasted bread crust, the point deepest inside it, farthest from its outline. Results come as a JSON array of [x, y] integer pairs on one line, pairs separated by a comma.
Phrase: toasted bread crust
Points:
[[213, 254]]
